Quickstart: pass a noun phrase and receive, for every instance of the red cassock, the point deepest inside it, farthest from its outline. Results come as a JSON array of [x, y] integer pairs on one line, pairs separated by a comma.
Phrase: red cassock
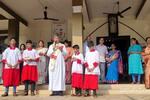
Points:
[[77, 71], [11, 77], [30, 72], [90, 79], [90, 82], [77, 80]]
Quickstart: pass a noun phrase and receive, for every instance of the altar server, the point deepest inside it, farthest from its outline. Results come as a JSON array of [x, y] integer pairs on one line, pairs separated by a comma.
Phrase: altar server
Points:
[[11, 72], [92, 70], [30, 72], [77, 71]]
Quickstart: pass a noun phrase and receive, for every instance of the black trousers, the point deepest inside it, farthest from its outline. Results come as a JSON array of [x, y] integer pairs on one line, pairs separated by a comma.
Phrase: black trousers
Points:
[[27, 83]]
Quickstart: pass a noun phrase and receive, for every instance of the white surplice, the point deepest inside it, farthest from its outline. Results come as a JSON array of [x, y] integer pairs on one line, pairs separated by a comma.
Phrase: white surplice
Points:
[[57, 75], [12, 57], [77, 68], [90, 58]]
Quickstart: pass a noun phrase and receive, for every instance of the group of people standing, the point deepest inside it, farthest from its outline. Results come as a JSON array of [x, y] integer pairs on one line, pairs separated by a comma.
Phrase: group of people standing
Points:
[[67, 65]]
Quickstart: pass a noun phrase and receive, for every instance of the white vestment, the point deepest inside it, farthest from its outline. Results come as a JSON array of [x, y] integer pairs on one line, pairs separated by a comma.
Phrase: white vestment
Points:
[[57, 75]]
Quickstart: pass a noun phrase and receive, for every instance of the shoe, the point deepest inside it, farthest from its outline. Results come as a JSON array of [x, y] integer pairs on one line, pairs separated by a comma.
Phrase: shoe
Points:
[[73, 95], [5, 94], [138, 83], [86, 95], [133, 83], [15, 94], [25, 93], [32, 93], [60, 93]]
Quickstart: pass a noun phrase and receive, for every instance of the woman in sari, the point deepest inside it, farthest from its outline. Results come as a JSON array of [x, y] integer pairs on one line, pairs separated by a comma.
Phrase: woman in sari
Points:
[[146, 57], [113, 62], [42, 70], [22, 48], [68, 61], [135, 61]]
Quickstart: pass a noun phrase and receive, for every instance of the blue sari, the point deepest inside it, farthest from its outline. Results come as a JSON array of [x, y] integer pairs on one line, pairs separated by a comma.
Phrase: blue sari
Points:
[[112, 71]]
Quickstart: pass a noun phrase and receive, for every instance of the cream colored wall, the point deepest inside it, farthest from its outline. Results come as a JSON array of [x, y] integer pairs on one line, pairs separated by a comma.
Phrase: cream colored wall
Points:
[[3, 24], [42, 29], [141, 26], [39, 30]]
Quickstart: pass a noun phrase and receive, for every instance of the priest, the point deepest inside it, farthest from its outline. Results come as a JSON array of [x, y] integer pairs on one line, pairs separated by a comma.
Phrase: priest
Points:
[[56, 52]]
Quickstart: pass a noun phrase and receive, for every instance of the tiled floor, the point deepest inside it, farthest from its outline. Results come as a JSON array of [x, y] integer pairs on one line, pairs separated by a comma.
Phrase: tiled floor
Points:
[[104, 97]]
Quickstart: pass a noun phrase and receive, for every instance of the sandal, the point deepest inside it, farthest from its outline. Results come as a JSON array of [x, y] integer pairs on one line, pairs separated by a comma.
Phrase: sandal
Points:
[[5, 94]]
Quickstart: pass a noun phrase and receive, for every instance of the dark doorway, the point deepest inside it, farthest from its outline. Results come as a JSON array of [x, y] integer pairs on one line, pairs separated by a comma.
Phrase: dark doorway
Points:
[[123, 43]]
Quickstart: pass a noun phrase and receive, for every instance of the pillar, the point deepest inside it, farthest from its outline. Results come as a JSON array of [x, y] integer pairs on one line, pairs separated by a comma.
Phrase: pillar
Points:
[[13, 29], [77, 23]]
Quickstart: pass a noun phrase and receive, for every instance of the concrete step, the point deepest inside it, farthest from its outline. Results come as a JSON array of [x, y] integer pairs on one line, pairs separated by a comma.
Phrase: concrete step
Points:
[[103, 89]]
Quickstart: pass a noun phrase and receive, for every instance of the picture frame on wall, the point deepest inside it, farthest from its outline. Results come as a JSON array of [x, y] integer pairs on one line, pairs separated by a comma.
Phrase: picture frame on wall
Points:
[[59, 29]]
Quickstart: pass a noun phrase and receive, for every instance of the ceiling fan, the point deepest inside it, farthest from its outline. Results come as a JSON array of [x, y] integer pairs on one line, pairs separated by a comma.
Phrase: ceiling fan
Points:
[[119, 13], [45, 16]]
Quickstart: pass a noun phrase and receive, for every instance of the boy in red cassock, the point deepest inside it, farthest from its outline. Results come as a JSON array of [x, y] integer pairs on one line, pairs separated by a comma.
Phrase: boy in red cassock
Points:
[[30, 71], [11, 72], [77, 71], [92, 70]]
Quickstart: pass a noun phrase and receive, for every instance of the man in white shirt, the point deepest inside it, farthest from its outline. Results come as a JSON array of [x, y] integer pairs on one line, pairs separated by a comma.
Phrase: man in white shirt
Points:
[[102, 49], [85, 47]]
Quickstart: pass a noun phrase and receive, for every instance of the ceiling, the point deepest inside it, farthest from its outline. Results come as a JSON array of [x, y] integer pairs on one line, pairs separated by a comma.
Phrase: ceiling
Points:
[[62, 9], [97, 7], [30, 9]]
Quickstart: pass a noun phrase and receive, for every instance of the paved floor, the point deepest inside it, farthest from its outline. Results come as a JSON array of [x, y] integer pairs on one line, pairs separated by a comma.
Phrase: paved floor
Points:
[[104, 97]]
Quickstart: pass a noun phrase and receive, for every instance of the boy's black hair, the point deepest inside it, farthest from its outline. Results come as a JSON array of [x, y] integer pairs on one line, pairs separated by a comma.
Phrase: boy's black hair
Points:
[[76, 47], [90, 44], [29, 41]]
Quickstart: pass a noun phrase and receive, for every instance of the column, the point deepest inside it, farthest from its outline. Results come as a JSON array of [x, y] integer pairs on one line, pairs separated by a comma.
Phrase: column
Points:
[[77, 23], [13, 29]]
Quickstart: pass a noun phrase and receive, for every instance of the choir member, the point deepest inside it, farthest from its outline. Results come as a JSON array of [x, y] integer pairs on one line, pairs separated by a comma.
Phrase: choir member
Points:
[[135, 61], [68, 60], [11, 72], [56, 52], [30, 71], [42, 69], [146, 56], [102, 49], [92, 70], [77, 71]]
